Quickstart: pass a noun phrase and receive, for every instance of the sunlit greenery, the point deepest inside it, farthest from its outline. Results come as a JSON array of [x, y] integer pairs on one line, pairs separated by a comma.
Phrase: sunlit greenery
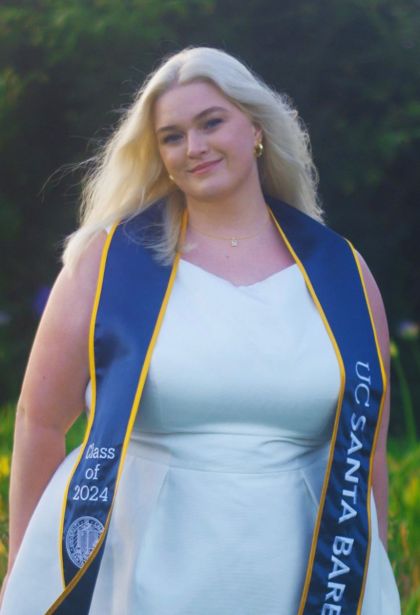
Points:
[[404, 527]]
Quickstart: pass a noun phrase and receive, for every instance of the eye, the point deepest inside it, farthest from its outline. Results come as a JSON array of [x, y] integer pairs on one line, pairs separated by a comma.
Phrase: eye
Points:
[[171, 138], [213, 122]]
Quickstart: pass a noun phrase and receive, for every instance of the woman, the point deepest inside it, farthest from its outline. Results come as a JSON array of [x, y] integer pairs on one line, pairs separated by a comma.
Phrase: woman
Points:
[[253, 451]]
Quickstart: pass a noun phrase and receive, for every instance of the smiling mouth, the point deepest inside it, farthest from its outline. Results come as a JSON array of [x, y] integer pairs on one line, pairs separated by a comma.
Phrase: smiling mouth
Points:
[[201, 168]]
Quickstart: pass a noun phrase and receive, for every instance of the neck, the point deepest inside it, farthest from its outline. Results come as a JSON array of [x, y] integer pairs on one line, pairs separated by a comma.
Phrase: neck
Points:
[[234, 215]]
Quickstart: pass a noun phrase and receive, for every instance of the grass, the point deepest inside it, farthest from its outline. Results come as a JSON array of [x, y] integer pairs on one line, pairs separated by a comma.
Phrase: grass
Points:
[[404, 526], [404, 507]]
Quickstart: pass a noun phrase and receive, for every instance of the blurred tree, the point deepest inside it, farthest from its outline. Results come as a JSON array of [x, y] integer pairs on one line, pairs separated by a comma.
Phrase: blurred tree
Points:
[[67, 69]]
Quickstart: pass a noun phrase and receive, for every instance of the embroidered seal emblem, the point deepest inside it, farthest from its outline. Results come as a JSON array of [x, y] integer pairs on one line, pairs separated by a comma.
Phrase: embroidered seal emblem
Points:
[[81, 538]]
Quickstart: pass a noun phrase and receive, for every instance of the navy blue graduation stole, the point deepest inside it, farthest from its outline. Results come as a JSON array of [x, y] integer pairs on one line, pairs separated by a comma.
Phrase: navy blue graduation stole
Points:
[[132, 294]]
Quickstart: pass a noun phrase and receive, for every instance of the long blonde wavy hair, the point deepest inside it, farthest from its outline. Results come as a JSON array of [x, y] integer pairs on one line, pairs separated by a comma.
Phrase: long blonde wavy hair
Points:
[[127, 175]]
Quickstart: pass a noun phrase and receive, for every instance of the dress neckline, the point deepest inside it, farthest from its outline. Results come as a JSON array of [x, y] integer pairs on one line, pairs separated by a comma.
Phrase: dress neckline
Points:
[[229, 283]]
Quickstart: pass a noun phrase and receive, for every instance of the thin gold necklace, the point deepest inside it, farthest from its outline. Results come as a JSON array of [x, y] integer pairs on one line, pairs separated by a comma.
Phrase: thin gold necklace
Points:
[[235, 239]]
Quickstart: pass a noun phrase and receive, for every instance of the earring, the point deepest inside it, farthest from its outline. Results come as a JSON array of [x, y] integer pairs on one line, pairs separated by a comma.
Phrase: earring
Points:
[[171, 178], [258, 150]]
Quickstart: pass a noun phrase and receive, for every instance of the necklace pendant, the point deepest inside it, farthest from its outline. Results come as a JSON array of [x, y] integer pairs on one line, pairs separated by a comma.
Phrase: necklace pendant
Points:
[[233, 242]]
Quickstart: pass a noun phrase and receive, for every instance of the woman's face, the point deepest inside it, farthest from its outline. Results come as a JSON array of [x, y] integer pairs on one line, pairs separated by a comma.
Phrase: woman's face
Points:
[[206, 143]]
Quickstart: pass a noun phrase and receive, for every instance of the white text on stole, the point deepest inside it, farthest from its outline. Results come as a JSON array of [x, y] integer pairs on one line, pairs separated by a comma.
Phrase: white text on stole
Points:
[[343, 545]]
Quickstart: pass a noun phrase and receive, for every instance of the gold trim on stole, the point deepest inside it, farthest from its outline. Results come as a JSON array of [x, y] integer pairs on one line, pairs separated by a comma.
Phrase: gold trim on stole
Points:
[[336, 421], [378, 424], [133, 412], [337, 413]]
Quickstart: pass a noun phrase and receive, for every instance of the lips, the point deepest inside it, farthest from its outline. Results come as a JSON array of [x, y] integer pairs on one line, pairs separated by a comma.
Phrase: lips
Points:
[[201, 168]]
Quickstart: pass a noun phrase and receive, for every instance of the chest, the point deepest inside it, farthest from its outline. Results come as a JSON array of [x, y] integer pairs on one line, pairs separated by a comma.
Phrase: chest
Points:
[[253, 359], [245, 263]]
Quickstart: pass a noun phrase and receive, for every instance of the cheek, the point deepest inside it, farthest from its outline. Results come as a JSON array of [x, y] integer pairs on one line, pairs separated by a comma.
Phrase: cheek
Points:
[[168, 158], [241, 145], [242, 155], [247, 143], [162, 156]]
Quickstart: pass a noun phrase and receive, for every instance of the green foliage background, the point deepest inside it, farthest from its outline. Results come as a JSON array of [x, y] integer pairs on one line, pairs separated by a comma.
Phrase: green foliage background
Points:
[[68, 67]]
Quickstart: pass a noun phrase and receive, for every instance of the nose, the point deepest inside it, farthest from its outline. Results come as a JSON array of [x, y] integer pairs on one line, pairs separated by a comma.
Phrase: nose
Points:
[[196, 143]]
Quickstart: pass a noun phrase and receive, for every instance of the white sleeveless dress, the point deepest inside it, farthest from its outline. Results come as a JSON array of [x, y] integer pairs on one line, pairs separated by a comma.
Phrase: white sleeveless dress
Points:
[[219, 494]]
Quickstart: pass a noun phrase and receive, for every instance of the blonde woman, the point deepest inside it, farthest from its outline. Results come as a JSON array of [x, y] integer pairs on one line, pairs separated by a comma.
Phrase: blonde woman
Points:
[[233, 352]]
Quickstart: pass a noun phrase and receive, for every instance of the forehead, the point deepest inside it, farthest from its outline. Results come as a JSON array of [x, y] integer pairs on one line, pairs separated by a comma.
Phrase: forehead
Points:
[[182, 103]]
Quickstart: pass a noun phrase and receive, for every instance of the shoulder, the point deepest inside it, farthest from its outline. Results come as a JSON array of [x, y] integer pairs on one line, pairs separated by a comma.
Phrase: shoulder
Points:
[[71, 299], [87, 267], [80, 280]]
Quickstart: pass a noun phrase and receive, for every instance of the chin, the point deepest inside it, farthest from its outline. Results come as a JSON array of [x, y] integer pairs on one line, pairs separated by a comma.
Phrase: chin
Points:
[[210, 192]]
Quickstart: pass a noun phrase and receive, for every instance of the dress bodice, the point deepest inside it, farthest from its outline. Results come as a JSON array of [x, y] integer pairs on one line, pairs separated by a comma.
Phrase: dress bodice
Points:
[[239, 361], [225, 350]]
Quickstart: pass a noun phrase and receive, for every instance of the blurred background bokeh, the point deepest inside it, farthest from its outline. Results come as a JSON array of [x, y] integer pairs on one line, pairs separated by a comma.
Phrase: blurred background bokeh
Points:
[[352, 68]]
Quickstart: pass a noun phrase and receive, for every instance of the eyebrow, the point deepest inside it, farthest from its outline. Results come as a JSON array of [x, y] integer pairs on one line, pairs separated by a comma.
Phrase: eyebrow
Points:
[[197, 117]]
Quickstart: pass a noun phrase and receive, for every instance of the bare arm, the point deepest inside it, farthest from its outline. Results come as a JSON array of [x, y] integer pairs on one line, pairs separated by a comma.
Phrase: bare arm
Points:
[[52, 394], [380, 467]]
